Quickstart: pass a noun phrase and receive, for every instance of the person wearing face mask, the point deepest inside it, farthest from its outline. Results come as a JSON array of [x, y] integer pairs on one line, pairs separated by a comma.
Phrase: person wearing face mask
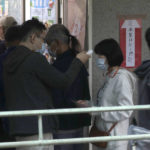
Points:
[[28, 80], [117, 90], [65, 47], [101, 64], [44, 51]]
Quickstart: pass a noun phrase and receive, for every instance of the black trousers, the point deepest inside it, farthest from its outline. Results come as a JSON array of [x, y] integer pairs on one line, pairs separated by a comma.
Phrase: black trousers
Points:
[[4, 137]]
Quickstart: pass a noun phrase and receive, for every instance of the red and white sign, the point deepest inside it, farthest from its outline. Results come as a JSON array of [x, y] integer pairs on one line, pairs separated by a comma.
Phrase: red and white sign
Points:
[[130, 42]]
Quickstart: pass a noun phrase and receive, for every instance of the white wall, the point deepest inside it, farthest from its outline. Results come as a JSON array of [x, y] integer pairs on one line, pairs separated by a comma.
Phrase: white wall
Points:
[[106, 25]]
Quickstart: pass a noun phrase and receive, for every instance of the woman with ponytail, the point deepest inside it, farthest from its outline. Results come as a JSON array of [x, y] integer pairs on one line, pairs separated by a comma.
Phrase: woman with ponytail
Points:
[[66, 46]]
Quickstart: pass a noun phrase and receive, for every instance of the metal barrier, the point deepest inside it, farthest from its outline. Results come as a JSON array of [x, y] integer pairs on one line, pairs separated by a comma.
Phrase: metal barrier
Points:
[[40, 113]]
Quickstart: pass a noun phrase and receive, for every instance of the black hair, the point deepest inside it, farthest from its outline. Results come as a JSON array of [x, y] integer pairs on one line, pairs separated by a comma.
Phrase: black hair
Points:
[[13, 33], [31, 26], [60, 32], [111, 50], [147, 37]]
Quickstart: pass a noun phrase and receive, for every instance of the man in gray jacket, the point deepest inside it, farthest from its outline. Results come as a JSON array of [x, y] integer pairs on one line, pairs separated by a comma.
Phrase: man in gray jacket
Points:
[[28, 79], [143, 73]]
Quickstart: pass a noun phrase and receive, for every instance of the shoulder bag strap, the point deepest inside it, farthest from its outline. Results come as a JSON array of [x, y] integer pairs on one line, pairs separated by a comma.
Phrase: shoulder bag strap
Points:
[[112, 127], [109, 129]]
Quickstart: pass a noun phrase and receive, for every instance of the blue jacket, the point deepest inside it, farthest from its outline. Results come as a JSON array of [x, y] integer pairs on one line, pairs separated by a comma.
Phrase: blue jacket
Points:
[[78, 90]]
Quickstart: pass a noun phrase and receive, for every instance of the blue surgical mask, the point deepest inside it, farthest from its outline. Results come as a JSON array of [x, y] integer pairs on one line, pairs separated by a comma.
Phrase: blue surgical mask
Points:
[[42, 50], [101, 64], [44, 47]]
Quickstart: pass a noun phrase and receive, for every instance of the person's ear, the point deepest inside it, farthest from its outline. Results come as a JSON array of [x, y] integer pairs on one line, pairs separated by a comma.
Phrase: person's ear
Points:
[[32, 38]]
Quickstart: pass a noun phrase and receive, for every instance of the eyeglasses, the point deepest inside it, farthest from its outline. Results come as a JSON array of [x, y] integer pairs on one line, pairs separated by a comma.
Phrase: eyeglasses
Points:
[[40, 36]]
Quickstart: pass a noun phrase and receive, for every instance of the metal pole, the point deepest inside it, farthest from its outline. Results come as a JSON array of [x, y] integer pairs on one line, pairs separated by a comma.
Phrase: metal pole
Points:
[[73, 141], [90, 38], [72, 110], [40, 126]]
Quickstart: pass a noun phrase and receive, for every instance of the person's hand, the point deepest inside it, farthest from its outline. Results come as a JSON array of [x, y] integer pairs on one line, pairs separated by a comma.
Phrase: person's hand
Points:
[[83, 56], [49, 58], [82, 103]]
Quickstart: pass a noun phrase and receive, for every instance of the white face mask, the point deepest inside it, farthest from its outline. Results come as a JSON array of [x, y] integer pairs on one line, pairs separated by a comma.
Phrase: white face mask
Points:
[[101, 64], [43, 48]]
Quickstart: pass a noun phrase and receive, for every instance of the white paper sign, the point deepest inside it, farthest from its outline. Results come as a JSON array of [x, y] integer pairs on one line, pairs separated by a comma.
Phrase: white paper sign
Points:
[[130, 26]]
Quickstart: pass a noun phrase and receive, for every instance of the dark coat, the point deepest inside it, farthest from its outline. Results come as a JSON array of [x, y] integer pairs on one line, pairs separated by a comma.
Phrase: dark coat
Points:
[[3, 54], [143, 73], [2, 47], [2, 58], [28, 79], [4, 137], [65, 98]]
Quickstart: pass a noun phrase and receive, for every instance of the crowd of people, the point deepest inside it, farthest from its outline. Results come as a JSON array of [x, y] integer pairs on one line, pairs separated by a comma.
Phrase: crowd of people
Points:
[[31, 81]]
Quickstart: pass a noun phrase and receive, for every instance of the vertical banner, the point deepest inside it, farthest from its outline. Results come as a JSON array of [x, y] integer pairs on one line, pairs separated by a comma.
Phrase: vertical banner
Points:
[[77, 19], [130, 42], [44, 10]]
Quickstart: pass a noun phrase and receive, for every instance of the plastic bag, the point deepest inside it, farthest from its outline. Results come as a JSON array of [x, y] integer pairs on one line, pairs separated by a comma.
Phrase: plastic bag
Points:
[[139, 144]]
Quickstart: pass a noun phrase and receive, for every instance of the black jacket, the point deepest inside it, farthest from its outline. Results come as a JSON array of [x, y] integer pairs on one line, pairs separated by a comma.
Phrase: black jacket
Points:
[[28, 79], [65, 98]]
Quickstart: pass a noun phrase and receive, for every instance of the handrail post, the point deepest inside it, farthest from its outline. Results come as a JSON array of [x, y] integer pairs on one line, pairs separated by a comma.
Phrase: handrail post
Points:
[[40, 127]]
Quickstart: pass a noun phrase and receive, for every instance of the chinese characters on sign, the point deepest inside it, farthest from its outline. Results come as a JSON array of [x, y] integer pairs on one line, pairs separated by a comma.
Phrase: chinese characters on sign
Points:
[[130, 50], [130, 42]]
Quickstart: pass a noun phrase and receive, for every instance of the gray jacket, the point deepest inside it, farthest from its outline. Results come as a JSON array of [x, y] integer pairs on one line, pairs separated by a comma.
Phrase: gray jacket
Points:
[[143, 73]]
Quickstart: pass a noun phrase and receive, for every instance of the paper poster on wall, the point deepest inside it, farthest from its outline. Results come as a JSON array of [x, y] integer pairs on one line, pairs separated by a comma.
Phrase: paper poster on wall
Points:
[[12, 8], [44, 10], [77, 19], [130, 42]]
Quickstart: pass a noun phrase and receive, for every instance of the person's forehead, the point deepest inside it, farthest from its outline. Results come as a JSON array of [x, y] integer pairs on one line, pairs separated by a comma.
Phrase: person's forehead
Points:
[[41, 34], [101, 56]]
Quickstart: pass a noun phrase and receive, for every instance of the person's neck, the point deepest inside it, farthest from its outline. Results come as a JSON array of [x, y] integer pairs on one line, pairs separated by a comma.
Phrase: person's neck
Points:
[[111, 69], [27, 44], [64, 48]]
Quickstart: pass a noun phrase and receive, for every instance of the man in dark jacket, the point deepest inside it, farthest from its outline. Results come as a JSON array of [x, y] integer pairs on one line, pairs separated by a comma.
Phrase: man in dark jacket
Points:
[[143, 73], [28, 79]]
